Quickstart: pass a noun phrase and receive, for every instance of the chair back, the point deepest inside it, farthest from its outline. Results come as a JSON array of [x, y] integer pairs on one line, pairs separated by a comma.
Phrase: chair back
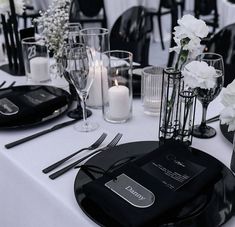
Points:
[[90, 8], [131, 32], [223, 43], [15, 64], [88, 11], [204, 7]]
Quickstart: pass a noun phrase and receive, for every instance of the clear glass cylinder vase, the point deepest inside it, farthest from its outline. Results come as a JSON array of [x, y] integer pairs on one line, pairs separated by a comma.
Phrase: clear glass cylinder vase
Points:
[[172, 84], [97, 40], [117, 86]]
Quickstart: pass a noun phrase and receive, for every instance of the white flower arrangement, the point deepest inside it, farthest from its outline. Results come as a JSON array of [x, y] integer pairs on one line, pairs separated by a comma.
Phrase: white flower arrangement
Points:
[[199, 74], [187, 37], [227, 116], [54, 23], [5, 6]]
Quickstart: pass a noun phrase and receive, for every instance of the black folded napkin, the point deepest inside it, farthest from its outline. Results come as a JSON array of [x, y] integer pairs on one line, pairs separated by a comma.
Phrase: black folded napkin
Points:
[[150, 190]]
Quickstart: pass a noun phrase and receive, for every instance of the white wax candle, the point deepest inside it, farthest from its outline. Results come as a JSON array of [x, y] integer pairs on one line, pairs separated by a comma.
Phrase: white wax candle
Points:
[[95, 93], [119, 104], [39, 69]]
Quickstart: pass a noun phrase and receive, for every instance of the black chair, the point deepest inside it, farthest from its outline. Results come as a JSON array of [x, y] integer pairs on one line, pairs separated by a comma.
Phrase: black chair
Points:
[[223, 43], [15, 64], [131, 32], [88, 11], [29, 13], [209, 9], [165, 7], [181, 5]]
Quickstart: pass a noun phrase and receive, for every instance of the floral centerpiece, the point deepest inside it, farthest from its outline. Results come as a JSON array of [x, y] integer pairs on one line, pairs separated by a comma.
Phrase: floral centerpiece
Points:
[[54, 24], [187, 36], [199, 74]]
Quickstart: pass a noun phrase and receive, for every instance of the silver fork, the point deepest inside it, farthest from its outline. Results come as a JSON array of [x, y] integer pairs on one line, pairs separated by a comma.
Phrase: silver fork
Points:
[[60, 172], [95, 145]]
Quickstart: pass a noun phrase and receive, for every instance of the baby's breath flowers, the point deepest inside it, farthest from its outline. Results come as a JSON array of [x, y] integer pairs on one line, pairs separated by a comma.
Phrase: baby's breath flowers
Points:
[[54, 24]]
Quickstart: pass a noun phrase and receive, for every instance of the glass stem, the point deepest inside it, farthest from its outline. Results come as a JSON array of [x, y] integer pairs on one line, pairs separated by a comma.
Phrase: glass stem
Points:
[[84, 109], [204, 111]]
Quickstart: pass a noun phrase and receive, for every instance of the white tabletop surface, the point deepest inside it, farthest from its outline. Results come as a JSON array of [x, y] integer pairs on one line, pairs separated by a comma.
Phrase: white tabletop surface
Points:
[[28, 198]]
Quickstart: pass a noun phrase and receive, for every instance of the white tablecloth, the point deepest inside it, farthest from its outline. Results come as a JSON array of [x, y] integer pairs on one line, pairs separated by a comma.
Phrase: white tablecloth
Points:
[[28, 198]]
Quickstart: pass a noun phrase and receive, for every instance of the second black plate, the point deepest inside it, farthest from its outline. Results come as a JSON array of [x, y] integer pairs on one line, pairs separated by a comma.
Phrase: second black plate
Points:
[[24, 106]]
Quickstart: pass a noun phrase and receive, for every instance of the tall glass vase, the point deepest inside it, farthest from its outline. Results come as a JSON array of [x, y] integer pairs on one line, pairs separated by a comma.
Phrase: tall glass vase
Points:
[[97, 39], [172, 84]]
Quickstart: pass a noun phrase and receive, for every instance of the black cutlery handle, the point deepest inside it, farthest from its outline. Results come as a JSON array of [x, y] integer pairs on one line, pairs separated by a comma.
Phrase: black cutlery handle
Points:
[[23, 140], [55, 165], [28, 138], [67, 168]]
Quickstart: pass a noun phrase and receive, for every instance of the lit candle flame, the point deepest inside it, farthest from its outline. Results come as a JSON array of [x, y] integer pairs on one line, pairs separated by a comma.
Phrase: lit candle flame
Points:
[[116, 82]]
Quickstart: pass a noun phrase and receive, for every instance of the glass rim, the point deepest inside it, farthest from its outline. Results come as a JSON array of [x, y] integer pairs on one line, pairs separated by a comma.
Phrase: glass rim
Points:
[[74, 23], [219, 56], [158, 68], [102, 31], [128, 53], [187, 94], [36, 39]]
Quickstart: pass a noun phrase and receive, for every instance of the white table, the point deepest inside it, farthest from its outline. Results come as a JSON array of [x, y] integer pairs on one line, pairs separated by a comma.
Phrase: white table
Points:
[[28, 198]]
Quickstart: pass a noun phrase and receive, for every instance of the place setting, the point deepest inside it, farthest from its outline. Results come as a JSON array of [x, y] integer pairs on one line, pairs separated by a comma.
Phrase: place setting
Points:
[[119, 139]]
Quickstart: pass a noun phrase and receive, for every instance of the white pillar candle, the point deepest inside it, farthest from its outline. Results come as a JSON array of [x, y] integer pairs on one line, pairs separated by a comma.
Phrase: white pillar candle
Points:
[[95, 93], [119, 104], [39, 69]]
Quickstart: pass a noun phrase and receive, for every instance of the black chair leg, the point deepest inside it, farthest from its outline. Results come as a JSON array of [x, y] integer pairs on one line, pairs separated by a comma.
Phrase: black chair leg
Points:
[[160, 31]]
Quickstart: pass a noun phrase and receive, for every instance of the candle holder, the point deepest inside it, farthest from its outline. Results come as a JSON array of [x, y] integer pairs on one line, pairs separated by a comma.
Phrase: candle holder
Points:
[[117, 86], [97, 39], [36, 60]]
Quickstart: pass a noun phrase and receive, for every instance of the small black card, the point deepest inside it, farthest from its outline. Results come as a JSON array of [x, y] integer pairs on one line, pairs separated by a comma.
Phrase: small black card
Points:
[[38, 96], [172, 170]]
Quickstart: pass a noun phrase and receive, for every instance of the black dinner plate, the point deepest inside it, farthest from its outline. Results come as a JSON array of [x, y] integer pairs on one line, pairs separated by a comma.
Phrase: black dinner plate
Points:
[[24, 106], [226, 134], [212, 208]]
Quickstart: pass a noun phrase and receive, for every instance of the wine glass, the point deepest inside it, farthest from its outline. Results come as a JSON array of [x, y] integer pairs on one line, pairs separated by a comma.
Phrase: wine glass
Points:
[[205, 96], [76, 113], [78, 64]]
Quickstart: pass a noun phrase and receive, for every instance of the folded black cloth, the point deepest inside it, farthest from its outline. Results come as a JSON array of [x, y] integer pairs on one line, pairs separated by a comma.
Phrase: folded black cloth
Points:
[[172, 174]]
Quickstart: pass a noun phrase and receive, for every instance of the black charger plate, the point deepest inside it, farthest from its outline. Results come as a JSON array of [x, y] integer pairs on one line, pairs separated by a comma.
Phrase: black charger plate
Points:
[[34, 104], [212, 208]]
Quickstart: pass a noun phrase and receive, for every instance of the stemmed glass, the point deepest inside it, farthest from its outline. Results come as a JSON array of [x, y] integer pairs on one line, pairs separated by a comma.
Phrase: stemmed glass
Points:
[[205, 96], [73, 32], [78, 64]]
